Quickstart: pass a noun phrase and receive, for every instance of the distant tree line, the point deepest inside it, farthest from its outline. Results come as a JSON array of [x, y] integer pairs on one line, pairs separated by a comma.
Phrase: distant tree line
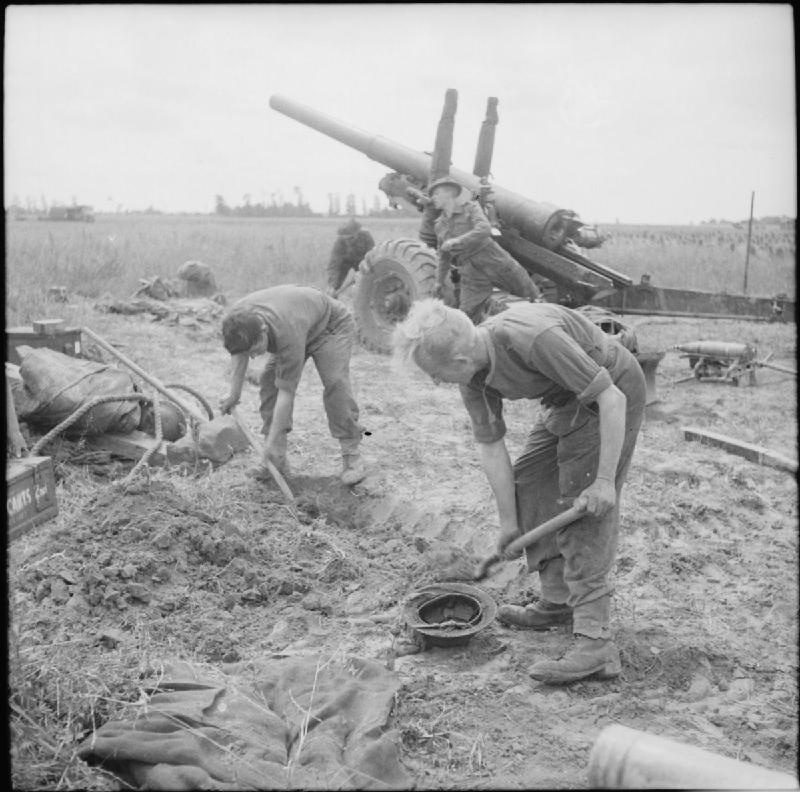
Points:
[[277, 207]]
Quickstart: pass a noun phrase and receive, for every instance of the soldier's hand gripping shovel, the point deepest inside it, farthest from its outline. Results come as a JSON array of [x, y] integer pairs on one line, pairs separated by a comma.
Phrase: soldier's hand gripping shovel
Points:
[[520, 543]]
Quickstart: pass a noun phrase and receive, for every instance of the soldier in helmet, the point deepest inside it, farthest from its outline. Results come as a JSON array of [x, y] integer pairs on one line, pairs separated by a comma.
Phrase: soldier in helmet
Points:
[[352, 243], [464, 241]]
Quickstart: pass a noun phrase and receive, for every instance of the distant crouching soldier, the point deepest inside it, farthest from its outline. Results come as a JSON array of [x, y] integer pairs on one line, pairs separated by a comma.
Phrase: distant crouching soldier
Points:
[[352, 243]]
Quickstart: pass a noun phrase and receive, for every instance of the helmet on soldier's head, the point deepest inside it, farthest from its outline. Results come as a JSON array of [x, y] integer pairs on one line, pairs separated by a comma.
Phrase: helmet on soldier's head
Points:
[[444, 181], [350, 228]]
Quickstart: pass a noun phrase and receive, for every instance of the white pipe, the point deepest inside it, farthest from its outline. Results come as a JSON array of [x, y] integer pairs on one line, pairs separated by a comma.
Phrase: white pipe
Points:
[[624, 758]]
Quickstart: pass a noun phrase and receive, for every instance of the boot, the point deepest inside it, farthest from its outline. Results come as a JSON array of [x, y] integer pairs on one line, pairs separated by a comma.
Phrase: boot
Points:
[[541, 615], [353, 469], [586, 657]]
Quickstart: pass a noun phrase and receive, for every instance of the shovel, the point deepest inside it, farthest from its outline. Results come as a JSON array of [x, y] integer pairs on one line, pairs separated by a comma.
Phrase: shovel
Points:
[[520, 543], [255, 444]]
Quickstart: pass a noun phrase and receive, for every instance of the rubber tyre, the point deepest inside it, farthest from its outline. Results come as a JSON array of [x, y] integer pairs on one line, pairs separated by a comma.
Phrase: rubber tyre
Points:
[[390, 278]]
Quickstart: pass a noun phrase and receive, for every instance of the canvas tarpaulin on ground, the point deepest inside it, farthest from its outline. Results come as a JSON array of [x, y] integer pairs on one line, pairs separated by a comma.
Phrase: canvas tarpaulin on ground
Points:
[[296, 722]]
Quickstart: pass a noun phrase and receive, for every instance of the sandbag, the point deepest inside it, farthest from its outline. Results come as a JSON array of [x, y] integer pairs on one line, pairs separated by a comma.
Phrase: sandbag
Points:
[[198, 279], [217, 440], [55, 385], [173, 421], [302, 722]]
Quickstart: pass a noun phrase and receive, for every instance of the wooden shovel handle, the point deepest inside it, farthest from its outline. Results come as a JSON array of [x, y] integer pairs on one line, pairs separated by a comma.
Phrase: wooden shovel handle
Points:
[[256, 445], [545, 529], [549, 526]]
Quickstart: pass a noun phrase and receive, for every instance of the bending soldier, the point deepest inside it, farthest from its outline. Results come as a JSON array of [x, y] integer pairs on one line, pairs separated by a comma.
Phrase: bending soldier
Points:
[[295, 323], [464, 241], [592, 392], [352, 243]]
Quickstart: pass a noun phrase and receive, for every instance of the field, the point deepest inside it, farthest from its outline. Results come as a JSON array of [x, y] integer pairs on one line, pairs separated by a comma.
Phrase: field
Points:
[[212, 568], [112, 254]]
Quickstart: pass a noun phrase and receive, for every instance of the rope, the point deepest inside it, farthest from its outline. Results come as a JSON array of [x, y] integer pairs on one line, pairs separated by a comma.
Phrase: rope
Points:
[[197, 396], [80, 412]]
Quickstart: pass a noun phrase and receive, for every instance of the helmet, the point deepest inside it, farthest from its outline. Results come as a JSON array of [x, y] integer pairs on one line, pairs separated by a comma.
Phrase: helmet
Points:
[[350, 228], [449, 180], [448, 614]]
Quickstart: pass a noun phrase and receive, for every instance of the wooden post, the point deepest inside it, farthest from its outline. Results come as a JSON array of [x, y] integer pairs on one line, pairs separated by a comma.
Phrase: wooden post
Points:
[[749, 235], [753, 453]]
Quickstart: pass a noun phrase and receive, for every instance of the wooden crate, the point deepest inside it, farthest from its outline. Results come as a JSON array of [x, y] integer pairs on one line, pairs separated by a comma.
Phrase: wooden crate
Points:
[[30, 493], [65, 340]]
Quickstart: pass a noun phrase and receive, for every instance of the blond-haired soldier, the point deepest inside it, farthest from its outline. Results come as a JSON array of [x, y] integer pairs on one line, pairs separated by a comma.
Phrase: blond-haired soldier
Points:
[[592, 393]]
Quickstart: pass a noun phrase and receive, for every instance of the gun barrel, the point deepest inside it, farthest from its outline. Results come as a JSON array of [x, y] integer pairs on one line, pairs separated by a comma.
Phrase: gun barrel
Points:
[[542, 222]]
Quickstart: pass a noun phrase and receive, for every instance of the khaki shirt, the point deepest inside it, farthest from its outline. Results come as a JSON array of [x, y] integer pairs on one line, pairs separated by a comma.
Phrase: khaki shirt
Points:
[[482, 263], [467, 226], [297, 317], [537, 351]]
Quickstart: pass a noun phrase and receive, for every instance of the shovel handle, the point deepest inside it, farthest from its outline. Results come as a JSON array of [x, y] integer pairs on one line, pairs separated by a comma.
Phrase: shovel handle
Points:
[[255, 443], [545, 529], [520, 543]]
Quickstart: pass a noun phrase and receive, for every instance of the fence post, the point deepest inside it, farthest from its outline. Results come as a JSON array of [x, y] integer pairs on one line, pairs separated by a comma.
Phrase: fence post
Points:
[[749, 234]]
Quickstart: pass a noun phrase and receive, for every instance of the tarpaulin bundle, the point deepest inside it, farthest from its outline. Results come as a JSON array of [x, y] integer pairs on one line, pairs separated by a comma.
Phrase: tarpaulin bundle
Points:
[[279, 723], [55, 385]]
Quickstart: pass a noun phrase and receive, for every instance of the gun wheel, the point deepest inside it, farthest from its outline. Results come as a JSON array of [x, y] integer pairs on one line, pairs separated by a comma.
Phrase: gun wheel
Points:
[[390, 278]]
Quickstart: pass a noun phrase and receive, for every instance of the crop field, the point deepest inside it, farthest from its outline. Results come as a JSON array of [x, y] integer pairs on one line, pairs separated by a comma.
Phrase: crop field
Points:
[[212, 568], [112, 254], [704, 257]]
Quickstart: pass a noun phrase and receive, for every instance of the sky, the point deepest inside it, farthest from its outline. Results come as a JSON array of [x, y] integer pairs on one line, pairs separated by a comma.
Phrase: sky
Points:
[[633, 113]]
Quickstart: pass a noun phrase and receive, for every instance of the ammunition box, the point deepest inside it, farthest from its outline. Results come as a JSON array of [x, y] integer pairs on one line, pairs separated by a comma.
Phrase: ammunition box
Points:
[[30, 494], [65, 340]]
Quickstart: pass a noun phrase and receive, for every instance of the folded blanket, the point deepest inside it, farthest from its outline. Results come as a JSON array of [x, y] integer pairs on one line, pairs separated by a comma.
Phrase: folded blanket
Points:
[[279, 723]]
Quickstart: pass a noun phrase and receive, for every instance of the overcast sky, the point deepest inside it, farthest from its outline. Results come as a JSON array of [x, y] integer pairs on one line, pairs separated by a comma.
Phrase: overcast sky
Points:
[[642, 113]]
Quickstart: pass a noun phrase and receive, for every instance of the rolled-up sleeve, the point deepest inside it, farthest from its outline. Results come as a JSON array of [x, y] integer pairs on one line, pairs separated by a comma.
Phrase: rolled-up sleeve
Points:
[[485, 408], [563, 360]]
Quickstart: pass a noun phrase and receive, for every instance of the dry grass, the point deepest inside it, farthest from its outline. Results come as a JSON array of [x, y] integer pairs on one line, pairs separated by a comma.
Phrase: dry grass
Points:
[[112, 254], [706, 258]]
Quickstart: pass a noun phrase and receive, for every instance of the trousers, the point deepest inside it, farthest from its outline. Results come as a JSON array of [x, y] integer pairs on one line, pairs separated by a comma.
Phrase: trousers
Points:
[[331, 354], [559, 460], [491, 267]]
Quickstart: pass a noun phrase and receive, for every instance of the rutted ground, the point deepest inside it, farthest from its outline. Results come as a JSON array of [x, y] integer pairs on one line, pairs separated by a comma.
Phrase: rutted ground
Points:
[[216, 568]]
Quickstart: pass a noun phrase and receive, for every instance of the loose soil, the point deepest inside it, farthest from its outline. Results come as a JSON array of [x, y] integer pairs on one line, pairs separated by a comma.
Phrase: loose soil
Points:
[[213, 567]]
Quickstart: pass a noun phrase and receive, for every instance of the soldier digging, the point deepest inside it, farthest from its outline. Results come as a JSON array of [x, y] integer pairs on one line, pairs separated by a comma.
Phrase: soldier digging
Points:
[[592, 394], [295, 323]]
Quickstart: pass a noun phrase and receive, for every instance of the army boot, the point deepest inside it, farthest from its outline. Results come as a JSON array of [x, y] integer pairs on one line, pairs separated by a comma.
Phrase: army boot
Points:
[[353, 469], [587, 657], [540, 615]]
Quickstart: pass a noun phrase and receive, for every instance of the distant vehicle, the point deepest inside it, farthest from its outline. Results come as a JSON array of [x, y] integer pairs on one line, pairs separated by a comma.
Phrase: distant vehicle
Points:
[[77, 212]]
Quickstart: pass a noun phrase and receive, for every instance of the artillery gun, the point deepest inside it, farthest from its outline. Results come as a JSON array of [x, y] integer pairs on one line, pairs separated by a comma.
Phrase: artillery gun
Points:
[[545, 239]]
